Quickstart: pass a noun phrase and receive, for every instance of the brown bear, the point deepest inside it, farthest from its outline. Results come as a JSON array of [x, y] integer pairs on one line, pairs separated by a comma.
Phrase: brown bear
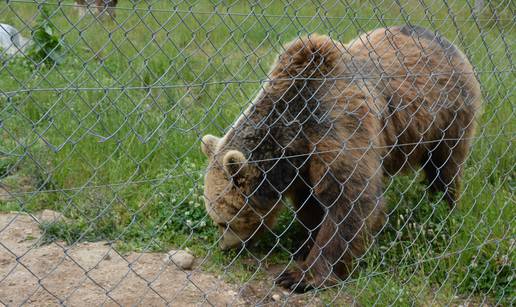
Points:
[[328, 125]]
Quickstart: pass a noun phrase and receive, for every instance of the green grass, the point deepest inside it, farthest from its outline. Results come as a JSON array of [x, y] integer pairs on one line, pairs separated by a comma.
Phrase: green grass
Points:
[[111, 138]]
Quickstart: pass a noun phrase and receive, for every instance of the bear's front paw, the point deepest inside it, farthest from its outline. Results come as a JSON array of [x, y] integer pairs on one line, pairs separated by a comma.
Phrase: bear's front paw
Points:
[[295, 280], [302, 253]]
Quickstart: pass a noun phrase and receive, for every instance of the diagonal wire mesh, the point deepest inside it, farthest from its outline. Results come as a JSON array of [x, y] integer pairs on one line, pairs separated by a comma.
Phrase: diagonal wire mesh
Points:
[[342, 186]]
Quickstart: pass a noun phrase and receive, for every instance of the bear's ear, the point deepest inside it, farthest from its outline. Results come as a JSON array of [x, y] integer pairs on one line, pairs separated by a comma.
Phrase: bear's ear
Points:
[[208, 144], [234, 163]]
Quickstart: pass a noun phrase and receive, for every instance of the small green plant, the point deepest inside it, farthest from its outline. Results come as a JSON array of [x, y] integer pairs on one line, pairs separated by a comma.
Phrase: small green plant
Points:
[[6, 165], [47, 46], [184, 208]]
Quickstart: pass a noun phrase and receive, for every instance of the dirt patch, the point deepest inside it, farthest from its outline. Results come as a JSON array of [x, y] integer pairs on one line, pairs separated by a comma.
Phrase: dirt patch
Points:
[[95, 273]]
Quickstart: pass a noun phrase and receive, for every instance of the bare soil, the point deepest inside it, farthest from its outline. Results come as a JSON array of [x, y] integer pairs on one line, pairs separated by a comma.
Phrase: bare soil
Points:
[[93, 273]]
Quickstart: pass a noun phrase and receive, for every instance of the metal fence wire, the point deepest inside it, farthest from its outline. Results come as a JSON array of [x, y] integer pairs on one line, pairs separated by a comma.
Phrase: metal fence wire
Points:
[[257, 152]]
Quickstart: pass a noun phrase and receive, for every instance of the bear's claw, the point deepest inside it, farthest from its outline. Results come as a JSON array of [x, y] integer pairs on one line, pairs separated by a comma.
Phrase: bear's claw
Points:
[[295, 281]]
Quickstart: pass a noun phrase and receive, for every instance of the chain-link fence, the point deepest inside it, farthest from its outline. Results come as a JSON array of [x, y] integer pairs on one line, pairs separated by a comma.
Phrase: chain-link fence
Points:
[[364, 166]]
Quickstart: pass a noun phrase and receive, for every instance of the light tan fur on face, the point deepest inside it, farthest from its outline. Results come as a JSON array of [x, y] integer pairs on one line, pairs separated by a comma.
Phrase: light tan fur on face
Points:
[[225, 202]]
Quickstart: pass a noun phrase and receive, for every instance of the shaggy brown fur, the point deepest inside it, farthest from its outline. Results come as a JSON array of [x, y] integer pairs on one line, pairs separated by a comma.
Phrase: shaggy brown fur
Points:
[[333, 120]]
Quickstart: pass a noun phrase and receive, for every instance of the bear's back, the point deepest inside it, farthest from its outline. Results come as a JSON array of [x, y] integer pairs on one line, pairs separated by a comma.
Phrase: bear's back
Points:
[[424, 86]]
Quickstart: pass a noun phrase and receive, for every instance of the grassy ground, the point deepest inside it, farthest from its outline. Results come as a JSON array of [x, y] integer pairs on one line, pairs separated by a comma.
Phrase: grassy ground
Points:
[[111, 138]]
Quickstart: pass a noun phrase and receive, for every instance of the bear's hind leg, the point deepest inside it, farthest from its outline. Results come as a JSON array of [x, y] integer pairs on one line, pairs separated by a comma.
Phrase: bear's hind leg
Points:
[[309, 214], [443, 168]]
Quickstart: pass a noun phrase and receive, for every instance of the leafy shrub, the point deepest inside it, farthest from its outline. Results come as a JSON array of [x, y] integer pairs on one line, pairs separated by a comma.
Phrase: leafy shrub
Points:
[[47, 46]]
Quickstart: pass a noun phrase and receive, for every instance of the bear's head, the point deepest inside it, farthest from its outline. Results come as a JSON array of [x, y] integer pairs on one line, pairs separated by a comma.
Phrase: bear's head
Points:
[[231, 194]]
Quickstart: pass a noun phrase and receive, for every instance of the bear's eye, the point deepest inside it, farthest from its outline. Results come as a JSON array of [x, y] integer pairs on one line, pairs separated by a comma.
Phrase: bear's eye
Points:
[[223, 225]]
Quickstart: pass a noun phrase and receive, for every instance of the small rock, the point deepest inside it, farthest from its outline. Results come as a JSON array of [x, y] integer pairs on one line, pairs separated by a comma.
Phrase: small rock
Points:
[[181, 258], [276, 297], [11, 41]]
